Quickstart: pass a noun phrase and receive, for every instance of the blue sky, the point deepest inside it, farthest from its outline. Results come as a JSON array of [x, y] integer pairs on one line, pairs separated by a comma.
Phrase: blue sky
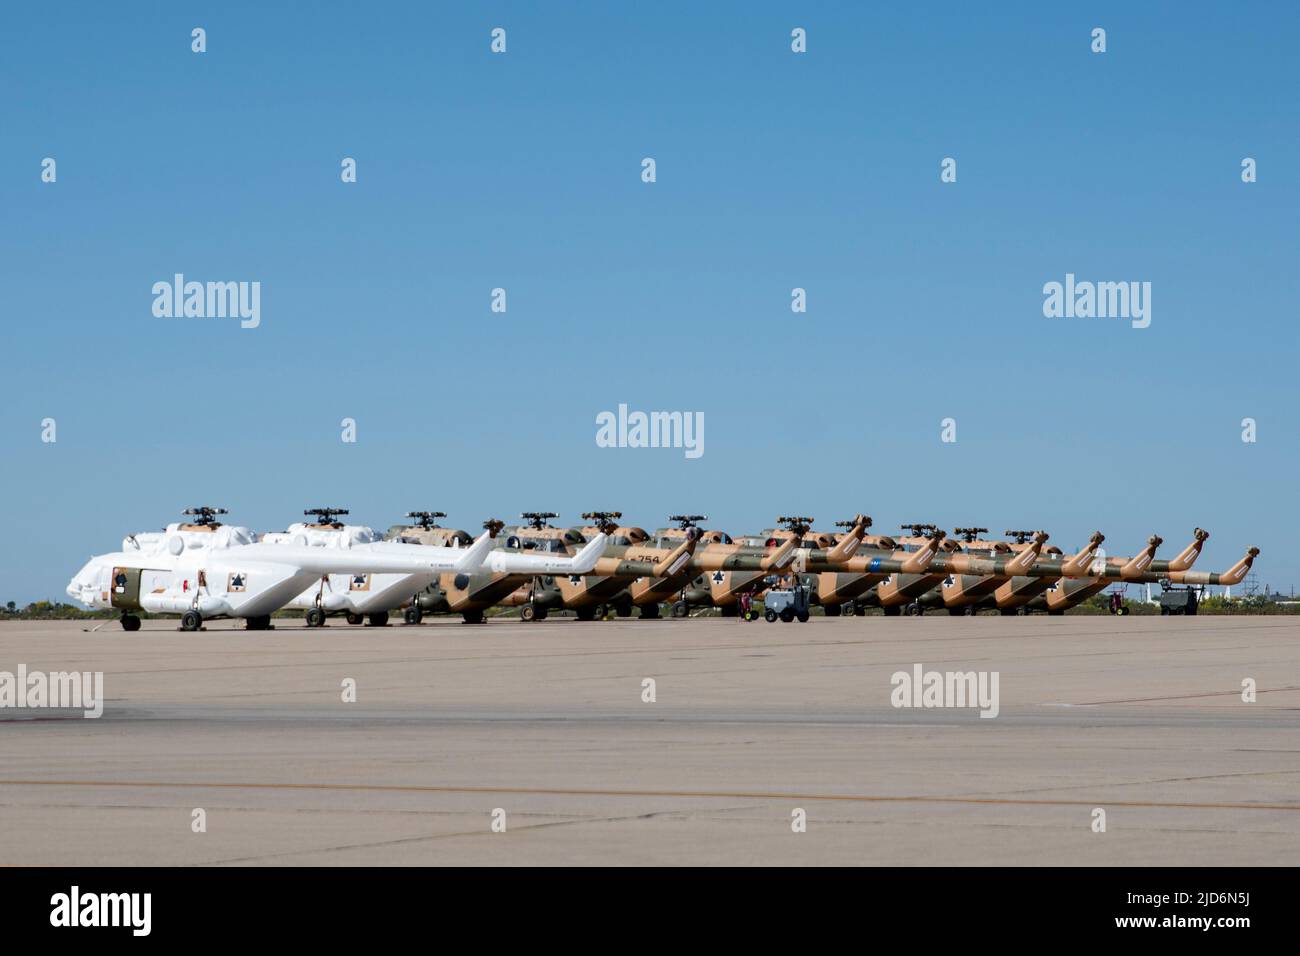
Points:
[[775, 170]]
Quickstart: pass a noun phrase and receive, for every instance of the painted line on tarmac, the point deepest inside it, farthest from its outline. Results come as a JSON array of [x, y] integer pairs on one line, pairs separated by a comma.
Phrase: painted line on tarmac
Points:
[[676, 794], [1214, 693]]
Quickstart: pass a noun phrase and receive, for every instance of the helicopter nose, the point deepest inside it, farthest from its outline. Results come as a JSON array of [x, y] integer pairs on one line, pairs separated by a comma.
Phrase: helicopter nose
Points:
[[80, 590], [83, 585]]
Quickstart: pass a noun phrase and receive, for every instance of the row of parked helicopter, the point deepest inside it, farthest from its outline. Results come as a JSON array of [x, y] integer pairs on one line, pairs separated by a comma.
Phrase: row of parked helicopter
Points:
[[202, 569]]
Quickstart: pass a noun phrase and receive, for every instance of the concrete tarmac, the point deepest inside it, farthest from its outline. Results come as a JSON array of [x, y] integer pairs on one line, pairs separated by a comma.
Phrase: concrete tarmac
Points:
[[1141, 717]]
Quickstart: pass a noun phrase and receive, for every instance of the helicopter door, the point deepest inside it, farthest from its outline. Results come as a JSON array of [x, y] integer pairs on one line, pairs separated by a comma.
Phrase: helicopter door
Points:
[[124, 588]]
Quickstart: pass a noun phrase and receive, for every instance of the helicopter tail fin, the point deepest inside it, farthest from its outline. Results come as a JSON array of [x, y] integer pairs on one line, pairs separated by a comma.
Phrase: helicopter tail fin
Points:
[[475, 554], [1189, 554], [1078, 565], [849, 543]]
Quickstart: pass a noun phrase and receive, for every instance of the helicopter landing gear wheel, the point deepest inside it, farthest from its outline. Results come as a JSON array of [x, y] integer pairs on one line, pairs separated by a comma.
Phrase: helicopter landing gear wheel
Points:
[[379, 620], [260, 623], [191, 621], [681, 609], [353, 618], [130, 622], [315, 617], [413, 614]]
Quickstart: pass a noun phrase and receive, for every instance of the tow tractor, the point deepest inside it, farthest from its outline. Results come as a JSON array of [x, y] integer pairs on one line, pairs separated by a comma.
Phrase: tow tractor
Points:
[[1178, 600], [788, 599]]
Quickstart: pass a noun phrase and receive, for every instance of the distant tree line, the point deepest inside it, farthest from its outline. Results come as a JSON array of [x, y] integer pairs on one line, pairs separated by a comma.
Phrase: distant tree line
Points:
[[52, 611]]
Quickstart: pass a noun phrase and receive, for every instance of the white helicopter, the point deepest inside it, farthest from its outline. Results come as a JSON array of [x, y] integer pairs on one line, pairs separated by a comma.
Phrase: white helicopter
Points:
[[359, 595], [203, 569]]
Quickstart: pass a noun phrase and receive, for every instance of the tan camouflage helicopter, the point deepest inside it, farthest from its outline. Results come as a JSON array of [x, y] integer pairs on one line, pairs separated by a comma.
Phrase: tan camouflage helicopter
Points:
[[608, 588], [722, 587], [933, 558], [909, 574], [1137, 568], [443, 596], [426, 530], [962, 593], [469, 595], [849, 587], [722, 569], [842, 591], [939, 587], [688, 567], [894, 574], [688, 587], [826, 587], [631, 556], [537, 595], [865, 579], [897, 593], [1014, 596], [537, 546], [732, 568], [683, 565], [1065, 593]]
